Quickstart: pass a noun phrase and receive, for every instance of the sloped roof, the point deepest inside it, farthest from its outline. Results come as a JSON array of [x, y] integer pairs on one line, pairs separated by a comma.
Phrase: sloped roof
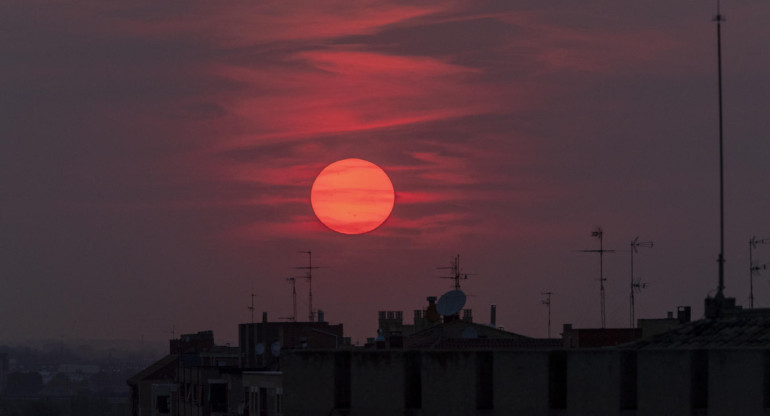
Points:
[[449, 336], [159, 370], [741, 331]]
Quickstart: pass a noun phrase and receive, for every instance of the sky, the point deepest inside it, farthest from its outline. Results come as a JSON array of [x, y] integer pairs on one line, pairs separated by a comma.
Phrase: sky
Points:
[[156, 160]]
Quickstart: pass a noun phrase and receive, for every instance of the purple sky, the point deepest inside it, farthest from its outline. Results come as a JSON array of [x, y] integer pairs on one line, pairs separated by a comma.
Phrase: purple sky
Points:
[[157, 159]]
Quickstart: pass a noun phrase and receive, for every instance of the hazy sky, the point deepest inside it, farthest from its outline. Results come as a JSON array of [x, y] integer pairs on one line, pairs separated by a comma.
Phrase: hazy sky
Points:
[[156, 159]]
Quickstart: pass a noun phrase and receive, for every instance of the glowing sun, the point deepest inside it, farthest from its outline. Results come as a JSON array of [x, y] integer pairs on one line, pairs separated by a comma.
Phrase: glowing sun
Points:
[[352, 196]]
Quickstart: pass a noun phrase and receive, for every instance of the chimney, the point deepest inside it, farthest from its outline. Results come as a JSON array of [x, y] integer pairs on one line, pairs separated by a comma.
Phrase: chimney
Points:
[[467, 315], [493, 316], [320, 315], [431, 314], [264, 317], [683, 314], [669, 315]]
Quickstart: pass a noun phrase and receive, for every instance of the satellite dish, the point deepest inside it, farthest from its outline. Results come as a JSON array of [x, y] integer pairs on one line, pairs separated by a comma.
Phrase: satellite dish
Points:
[[259, 348], [451, 303], [275, 348]]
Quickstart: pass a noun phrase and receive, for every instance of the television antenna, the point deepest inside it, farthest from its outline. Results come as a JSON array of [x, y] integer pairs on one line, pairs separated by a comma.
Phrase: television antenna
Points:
[[457, 275], [309, 276], [599, 234], [636, 285], [293, 281], [754, 268], [251, 308], [721, 259], [547, 303]]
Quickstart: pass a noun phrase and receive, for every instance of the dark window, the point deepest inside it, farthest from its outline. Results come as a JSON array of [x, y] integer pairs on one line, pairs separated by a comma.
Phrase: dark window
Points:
[[162, 405], [484, 380], [557, 379], [628, 379], [766, 380], [699, 385], [278, 405], [342, 380], [412, 380], [218, 397]]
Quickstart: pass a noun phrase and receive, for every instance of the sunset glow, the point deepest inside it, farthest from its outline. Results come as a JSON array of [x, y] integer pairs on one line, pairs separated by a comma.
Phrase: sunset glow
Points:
[[352, 196]]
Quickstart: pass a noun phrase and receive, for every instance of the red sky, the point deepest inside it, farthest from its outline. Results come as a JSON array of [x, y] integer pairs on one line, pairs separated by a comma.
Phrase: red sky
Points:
[[157, 159]]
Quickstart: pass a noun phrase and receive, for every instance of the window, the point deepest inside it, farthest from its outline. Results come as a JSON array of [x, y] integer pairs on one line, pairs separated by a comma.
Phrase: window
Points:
[[162, 405], [484, 380], [218, 397], [342, 380], [699, 372], [557, 379], [412, 380], [628, 379]]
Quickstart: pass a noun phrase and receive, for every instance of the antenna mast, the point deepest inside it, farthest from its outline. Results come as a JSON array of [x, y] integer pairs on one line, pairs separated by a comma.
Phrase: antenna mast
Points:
[[598, 233], [547, 303], [754, 269], [309, 276], [456, 274], [636, 284], [293, 281], [251, 308], [721, 259]]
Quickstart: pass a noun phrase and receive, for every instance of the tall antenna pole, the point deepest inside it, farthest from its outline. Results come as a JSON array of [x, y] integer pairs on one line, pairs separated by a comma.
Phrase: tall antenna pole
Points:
[[598, 233], [721, 260], [754, 268], [547, 303], [309, 277], [293, 281], [251, 308], [636, 284]]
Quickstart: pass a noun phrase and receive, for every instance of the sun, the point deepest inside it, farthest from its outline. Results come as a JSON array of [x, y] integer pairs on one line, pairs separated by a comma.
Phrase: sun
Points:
[[352, 196]]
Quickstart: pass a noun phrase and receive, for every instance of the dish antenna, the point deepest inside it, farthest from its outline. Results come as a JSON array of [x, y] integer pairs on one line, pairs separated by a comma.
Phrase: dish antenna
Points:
[[451, 303], [275, 349], [259, 349]]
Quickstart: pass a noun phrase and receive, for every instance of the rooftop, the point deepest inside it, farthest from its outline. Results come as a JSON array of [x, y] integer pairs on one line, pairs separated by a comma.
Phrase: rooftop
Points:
[[749, 330]]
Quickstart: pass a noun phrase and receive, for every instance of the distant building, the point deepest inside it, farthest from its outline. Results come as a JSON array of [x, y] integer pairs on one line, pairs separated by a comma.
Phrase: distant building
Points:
[[192, 380], [456, 367], [610, 337], [200, 378], [652, 327], [153, 387], [259, 343], [263, 393], [392, 322]]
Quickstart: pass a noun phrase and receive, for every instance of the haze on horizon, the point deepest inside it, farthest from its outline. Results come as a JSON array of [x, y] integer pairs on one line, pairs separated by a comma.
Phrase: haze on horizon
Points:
[[156, 159]]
